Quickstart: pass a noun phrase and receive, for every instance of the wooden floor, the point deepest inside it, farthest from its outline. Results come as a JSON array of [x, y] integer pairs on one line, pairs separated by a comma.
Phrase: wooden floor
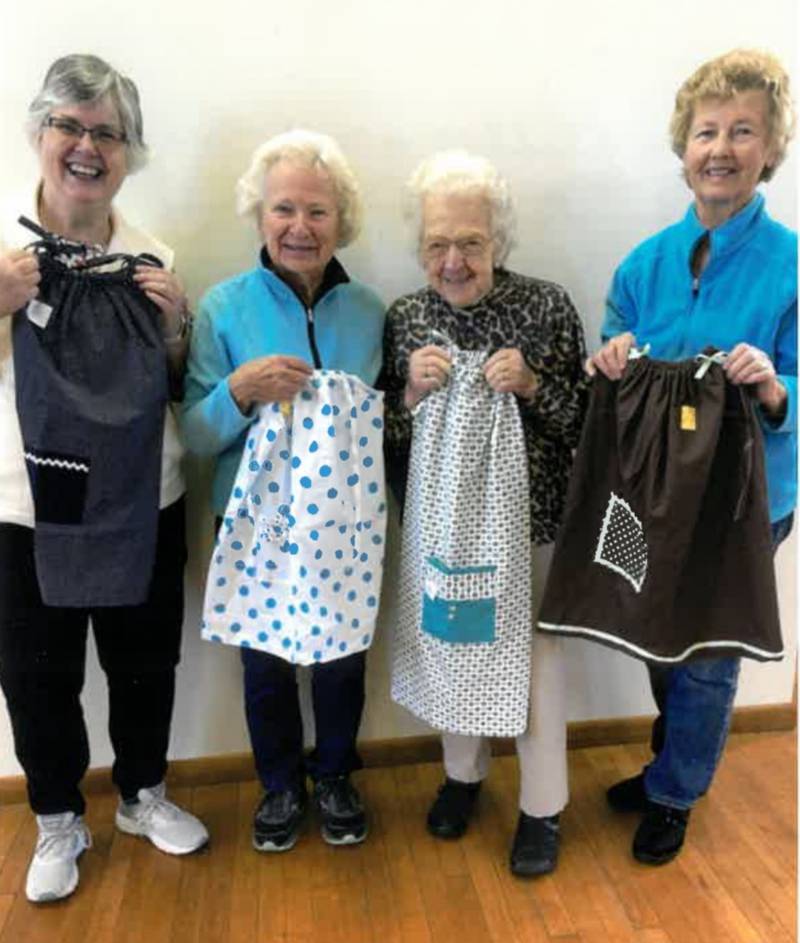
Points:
[[736, 879]]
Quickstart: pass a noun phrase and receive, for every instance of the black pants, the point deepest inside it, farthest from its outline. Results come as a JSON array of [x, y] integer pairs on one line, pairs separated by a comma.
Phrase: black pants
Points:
[[42, 666], [276, 727]]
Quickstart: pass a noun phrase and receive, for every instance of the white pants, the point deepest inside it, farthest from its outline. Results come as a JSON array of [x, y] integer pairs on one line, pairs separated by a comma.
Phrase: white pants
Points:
[[542, 748]]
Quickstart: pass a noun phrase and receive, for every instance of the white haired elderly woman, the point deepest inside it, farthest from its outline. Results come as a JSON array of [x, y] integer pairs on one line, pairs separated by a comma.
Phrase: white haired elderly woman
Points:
[[723, 276], [531, 344], [259, 336], [85, 125]]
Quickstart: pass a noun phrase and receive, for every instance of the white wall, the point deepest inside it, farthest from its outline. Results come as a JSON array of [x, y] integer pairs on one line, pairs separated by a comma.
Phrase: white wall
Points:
[[571, 100]]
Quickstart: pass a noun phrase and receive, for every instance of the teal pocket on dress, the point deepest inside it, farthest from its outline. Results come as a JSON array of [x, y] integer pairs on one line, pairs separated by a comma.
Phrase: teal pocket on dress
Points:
[[458, 604]]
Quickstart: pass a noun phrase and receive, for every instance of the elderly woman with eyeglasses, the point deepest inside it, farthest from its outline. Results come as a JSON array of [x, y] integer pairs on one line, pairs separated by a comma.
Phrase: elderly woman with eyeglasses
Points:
[[724, 276], [260, 336], [532, 340], [85, 125]]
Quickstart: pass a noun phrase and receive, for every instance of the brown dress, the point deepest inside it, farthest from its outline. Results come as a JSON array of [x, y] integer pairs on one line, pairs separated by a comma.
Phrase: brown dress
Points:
[[665, 548]]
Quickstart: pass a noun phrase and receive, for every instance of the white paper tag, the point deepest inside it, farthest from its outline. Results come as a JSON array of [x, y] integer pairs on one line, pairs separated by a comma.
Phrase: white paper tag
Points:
[[39, 312]]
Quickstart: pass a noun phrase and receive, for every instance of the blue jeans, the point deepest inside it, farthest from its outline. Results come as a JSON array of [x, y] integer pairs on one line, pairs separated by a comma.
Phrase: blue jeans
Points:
[[695, 702]]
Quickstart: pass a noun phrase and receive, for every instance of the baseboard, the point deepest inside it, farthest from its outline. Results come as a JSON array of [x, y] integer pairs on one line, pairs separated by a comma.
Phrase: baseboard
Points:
[[238, 767]]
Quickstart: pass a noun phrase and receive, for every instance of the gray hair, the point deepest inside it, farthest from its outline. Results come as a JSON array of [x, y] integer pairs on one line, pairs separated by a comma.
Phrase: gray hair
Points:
[[458, 172], [84, 79], [308, 149]]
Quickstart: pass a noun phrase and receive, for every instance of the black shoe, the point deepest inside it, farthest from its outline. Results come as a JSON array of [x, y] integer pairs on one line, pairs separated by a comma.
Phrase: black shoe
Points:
[[341, 812], [535, 848], [278, 818], [660, 835], [629, 795], [449, 815]]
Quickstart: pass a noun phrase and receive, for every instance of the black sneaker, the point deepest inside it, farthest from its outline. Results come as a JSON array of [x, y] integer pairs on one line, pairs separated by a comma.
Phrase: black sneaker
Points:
[[278, 818], [451, 810], [628, 795], [341, 812], [535, 848], [660, 835]]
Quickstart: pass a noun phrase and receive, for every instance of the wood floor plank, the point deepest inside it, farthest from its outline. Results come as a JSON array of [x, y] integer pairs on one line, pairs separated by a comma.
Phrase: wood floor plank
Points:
[[734, 882]]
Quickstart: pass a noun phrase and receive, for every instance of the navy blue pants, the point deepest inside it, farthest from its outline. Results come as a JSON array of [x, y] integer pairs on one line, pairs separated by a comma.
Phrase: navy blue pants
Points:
[[272, 707], [42, 666], [695, 703]]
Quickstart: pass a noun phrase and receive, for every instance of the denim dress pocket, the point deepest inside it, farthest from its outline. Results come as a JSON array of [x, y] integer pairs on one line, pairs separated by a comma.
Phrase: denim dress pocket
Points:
[[459, 603]]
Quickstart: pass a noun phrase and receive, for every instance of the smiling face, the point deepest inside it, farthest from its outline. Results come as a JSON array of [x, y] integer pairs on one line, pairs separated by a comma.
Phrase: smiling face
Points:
[[300, 222], [727, 149], [78, 176], [456, 248]]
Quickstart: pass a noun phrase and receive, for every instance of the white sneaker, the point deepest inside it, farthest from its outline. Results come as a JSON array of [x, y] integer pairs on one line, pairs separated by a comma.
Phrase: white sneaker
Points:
[[169, 828], [53, 871]]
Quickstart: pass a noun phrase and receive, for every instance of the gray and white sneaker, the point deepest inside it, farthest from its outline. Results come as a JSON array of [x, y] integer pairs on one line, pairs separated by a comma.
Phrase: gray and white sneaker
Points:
[[166, 825], [53, 871]]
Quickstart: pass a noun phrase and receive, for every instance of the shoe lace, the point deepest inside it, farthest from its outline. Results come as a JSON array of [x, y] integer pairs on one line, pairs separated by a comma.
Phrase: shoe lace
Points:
[[339, 795], [157, 809], [58, 841]]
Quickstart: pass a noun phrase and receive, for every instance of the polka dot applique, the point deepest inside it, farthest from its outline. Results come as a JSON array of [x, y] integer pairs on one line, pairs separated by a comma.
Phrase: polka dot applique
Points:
[[301, 514]]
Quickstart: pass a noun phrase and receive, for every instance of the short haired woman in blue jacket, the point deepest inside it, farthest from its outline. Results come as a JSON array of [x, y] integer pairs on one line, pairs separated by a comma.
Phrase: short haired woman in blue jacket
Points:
[[724, 276], [258, 337]]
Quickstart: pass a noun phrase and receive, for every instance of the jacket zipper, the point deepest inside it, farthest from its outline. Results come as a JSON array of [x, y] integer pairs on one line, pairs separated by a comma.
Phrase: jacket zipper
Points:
[[312, 341]]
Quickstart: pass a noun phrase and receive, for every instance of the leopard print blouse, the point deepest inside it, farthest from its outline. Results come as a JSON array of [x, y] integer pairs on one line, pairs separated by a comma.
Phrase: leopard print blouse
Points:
[[533, 315]]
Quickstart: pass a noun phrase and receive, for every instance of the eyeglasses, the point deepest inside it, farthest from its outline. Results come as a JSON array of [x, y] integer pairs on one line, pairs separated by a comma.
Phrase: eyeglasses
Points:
[[471, 247], [102, 135]]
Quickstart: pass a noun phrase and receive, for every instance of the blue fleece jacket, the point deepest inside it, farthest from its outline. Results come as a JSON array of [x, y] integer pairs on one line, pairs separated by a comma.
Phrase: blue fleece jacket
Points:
[[256, 314], [747, 293]]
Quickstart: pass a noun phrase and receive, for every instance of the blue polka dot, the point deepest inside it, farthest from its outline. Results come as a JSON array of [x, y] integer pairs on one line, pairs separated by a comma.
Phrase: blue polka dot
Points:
[[353, 413], [325, 470], [363, 557], [351, 595], [342, 528], [324, 574], [344, 455], [244, 643], [365, 406], [262, 636], [271, 565], [237, 545], [276, 624], [318, 555], [305, 481], [336, 586], [313, 446], [323, 610], [251, 571], [317, 655], [251, 444], [316, 383], [271, 603], [244, 591], [304, 607], [372, 601], [219, 608], [273, 487], [276, 407], [314, 534], [372, 487], [369, 461], [355, 623], [254, 466], [336, 410], [295, 462], [378, 423], [287, 643], [367, 577], [339, 617], [306, 395], [312, 509], [294, 549], [256, 499], [332, 492], [329, 641], [237, 492], [271, 435], [284, 454], [236, 627], [316, 630], [221, 581], [331, 431], [342, 646], [352, 479], [363, 441], [339, 554], [365, 640], [326, 410], [308, 423], [377, 539], [314, 592], [291, 610], [253, 613], [348, 571], [240, 564]]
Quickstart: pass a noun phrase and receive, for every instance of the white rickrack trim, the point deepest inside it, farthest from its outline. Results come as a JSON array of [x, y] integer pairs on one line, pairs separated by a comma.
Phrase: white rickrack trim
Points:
[[613, 502], [57, 463], [559, 628]]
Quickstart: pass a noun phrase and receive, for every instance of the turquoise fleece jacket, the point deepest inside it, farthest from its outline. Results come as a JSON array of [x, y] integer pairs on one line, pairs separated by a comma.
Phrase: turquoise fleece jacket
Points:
[[256, 314], [746, 294]]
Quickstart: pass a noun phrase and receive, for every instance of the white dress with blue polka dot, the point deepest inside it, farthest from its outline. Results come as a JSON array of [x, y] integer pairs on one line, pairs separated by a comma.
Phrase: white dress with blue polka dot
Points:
[[299, 558]]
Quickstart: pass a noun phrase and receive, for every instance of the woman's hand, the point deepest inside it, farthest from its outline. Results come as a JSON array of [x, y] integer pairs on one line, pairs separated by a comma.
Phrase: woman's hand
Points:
[[748, 366], [507, 372], [166, 291], [267, 380], [19, 280], [612, 358], [428, 368]]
